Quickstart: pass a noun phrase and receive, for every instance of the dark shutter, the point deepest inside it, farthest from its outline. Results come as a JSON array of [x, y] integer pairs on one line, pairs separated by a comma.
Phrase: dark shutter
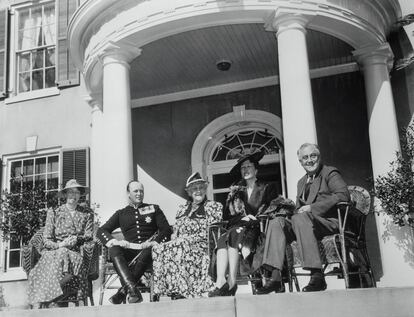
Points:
[[4, 14], [75, 164], [67, 73]]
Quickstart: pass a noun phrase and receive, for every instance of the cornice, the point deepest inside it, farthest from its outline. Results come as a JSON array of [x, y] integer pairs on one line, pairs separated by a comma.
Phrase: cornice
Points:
[[99, 22]]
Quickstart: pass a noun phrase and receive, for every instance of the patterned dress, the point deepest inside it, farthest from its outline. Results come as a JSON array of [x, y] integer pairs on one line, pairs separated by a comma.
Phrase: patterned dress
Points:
[[55, 262], [181, 265]]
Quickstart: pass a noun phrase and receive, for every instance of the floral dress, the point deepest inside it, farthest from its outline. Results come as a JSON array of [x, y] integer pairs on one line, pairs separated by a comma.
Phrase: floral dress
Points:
[[181, 265], [55, 262]]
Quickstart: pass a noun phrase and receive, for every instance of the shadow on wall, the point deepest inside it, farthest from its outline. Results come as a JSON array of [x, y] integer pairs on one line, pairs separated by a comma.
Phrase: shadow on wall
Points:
[[404, 239]]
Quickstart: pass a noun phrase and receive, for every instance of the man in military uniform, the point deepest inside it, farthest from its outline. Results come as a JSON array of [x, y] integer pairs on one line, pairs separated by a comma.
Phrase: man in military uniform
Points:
[[141, 224]]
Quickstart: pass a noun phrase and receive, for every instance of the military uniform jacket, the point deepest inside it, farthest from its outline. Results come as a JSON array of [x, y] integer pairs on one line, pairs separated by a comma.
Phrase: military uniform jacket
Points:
[[137, 224]]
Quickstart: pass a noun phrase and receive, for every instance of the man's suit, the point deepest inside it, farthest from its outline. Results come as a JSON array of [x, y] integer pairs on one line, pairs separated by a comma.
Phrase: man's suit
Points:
[[322, 192]]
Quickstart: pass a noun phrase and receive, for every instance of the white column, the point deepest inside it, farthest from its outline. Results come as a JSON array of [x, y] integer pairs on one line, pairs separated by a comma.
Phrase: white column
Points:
[[295, 90], [95, 102], [384, 142], [112, 135]]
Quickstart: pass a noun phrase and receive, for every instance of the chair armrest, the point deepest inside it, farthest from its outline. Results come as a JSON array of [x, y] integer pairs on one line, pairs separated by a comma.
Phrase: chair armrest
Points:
[[219, 224], [30, 257], [90, 254]]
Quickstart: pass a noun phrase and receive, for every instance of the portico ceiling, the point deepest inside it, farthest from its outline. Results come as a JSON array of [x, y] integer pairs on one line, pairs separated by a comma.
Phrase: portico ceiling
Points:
[[187, 60]]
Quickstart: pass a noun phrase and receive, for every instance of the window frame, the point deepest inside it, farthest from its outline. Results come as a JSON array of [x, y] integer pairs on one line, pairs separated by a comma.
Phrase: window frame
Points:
[[17, 273], [13, 94]]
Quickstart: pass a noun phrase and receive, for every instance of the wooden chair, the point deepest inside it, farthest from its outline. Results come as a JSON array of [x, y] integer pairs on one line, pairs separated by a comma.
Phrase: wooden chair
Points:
[[108, 275], [347, 247], [215, 231], [32, 254]]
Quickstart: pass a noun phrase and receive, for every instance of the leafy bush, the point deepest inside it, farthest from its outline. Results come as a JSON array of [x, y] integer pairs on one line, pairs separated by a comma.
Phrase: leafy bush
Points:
[[395, 189], [24, 213]]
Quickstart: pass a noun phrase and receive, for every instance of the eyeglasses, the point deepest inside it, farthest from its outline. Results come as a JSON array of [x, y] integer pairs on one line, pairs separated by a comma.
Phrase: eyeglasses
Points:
[[194, 188], [246, 167], [312, 156]]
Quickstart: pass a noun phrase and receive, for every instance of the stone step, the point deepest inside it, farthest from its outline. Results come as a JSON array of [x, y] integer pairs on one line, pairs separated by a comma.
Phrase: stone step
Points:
[[379, 302]]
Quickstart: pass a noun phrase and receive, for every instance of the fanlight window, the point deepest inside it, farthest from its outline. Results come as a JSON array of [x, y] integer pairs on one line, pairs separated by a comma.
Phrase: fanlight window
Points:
[[245, 142]]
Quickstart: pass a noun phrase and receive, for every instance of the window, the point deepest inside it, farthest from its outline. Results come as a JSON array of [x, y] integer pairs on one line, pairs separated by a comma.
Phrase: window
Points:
[[25, 175], [49, 169], [37, 62], [36, 47], [224, 156], [36, 172]]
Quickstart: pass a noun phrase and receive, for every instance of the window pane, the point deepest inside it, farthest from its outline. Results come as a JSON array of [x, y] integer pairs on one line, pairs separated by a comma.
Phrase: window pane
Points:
[[24, 82], [14, 243], [24, 62], [53, 181], [14, 260], [49, 28], [40, 166], [28, 183], [40, 181], [50, 77], [28, 167], [37, 80], [50, 57], [16, 169], [53, 163], [37, 59], [15, 185], [23, 15]]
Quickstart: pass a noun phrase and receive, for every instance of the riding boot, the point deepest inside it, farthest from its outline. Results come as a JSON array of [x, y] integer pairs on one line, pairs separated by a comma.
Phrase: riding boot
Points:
[[126, 277], [138, 270], [119, 297]]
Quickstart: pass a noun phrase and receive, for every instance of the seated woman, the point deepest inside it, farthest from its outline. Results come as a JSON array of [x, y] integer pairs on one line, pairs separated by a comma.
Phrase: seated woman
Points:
[[248, 198], [181, 265], [66, 230]]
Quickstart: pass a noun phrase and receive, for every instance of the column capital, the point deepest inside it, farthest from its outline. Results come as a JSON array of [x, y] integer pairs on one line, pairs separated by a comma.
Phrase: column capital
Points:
[[119, 52], [95, 100], [281, 20], [375, 55]]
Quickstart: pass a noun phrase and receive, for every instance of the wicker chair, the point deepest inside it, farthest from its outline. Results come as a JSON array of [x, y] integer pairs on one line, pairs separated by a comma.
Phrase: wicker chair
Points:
[[346, 248], [90, 253]]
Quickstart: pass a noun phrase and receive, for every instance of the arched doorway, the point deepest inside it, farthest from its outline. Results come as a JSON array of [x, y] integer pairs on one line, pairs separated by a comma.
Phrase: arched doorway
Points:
[[224, 140]]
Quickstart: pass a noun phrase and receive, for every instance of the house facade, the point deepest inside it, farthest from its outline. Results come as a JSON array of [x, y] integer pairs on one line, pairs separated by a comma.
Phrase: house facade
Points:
[[107, 91]]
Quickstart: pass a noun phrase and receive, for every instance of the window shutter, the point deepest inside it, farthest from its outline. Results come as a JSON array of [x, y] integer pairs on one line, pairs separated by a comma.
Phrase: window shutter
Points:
[[75, 164], [67, 74], [4, 15]]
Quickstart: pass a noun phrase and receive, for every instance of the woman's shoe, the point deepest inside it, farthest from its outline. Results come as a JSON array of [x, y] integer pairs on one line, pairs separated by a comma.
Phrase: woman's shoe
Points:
[[222, 291], [232, 291], [177, 296]]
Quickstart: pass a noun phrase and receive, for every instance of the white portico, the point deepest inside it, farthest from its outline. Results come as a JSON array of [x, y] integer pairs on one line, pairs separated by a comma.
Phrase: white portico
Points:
[[106, 36]]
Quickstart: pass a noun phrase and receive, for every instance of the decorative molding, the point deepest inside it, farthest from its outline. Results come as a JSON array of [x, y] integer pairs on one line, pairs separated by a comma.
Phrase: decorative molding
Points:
[[286, 19], [371, 55], [229, 123], [97, 23], [121, 52]]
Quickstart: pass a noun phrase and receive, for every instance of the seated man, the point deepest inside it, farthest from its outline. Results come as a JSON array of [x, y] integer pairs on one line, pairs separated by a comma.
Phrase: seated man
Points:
[[315, 217], [139, 223]]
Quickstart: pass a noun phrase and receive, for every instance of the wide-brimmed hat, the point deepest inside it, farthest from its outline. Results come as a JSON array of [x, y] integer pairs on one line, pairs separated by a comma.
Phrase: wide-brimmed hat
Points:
[[195, 178], [73, 183], [254, 157]]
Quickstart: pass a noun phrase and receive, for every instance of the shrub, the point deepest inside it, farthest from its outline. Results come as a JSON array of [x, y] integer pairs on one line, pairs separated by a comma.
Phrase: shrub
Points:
[[395, 189]]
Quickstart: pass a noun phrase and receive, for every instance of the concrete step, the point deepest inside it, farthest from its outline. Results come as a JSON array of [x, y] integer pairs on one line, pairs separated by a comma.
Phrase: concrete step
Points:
[[380, 302]]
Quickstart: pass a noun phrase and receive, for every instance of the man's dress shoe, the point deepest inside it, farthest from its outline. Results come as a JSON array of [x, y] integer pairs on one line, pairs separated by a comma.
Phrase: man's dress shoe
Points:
[[271, 286], [316, 284]]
